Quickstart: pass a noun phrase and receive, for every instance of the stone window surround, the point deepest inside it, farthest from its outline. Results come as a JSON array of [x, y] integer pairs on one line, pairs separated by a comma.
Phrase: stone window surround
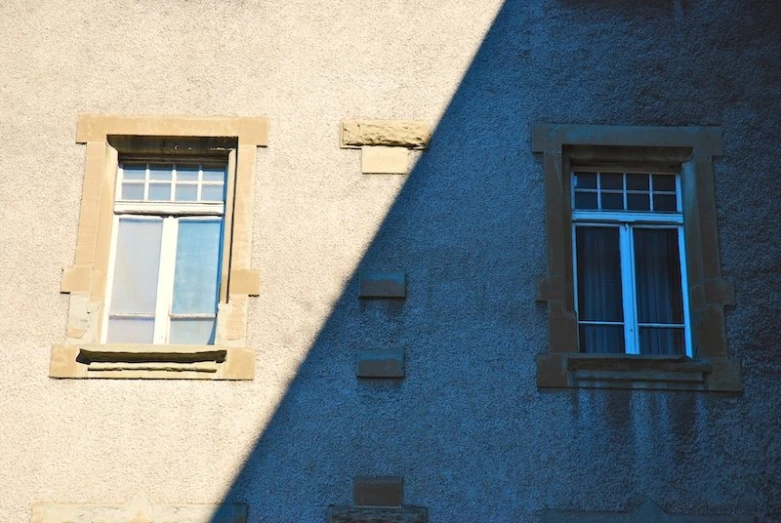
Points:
[[690, 149], [82, 353]]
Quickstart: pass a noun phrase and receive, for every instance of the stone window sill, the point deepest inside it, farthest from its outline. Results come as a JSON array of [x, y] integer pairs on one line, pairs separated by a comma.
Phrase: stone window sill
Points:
[[625, 371], [136, 361]]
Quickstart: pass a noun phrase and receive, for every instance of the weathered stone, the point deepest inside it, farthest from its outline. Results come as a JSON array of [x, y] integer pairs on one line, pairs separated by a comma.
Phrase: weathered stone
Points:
[[401, 133]]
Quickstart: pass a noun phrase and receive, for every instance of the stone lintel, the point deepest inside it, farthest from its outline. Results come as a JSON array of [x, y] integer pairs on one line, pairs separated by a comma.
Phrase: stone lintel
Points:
[[249, 130]]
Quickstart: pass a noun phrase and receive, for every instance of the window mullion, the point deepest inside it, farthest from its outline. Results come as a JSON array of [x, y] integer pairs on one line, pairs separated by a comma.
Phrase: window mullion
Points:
[[165, 280], [628, 286], [688, 340]]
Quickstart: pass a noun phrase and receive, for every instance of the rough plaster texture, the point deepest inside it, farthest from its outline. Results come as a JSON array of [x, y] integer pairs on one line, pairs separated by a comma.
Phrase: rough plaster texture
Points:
[[466, 428]]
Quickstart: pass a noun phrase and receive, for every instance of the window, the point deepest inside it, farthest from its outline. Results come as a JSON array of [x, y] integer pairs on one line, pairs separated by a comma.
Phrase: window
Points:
[[629, 263], [161, 278], [165, 263], [634, 292]]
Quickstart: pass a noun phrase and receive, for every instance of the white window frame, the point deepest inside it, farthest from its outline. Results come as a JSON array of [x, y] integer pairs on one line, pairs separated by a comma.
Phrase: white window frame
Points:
[[171, 214], [626, 222]]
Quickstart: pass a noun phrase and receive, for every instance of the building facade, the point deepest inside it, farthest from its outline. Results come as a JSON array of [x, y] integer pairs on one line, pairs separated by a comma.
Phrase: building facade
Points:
[[408, 261]]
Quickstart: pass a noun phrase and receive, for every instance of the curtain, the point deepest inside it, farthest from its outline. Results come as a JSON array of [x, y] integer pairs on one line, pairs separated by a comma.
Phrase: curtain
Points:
[[599, 289], [659, 290]]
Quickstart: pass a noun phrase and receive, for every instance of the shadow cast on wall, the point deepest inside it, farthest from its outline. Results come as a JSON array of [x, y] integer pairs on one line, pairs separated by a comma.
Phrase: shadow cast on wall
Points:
[[468, 229]]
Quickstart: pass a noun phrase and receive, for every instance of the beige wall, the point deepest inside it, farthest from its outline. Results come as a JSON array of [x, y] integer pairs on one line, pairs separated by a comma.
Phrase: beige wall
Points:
[[304, 65], [467, 428]]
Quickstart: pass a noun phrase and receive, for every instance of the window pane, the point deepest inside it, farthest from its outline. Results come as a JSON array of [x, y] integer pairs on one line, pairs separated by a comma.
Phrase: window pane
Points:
[[665, 203], [638, 202], [599, 274], [186, 193], [187, 173], [664, 182], [133, 171], [160, 172], [602, 339], [136, 265], [213, 193], [192, 332], [658, 276], [612, 181], [132, 191], [213, 173], [585, 200], [585, 180], [130, 330], [160, 192], [196, 278], [637, 182], [655, 340], [613, 201]]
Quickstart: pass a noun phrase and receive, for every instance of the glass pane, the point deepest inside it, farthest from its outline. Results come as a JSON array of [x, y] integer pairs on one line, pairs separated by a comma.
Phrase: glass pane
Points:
[[612, 181], [602, 339], [599, 274], [654, 340], [136, 265], [638, 201], [160, 191], [665, 203], [658, 276], [586, 180], [613, 201], [192, 332], [187, 173], [130, 330], [664, 182], [637, 182], [585, 200], [160, 172], [196, 279], [186, 193], [132, 191], [213, 193], [133, 171], [214, 173]]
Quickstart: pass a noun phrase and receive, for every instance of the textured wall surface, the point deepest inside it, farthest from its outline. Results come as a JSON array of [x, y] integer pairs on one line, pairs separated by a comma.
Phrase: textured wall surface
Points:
[[469, 431]]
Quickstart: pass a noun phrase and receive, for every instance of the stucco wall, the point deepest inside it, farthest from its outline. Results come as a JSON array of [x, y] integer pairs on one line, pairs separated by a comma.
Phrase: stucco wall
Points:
[[467, 428]]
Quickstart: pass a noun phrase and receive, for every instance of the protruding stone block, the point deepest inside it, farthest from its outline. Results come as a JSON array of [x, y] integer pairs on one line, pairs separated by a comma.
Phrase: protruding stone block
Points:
[[388, 364], [380, 491], [384, 160], [382, 284], [412, 134]]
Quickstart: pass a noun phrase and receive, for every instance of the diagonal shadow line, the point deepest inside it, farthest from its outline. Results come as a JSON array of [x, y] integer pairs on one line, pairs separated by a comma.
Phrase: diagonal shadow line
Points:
[[447, 226], [330, 426]]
